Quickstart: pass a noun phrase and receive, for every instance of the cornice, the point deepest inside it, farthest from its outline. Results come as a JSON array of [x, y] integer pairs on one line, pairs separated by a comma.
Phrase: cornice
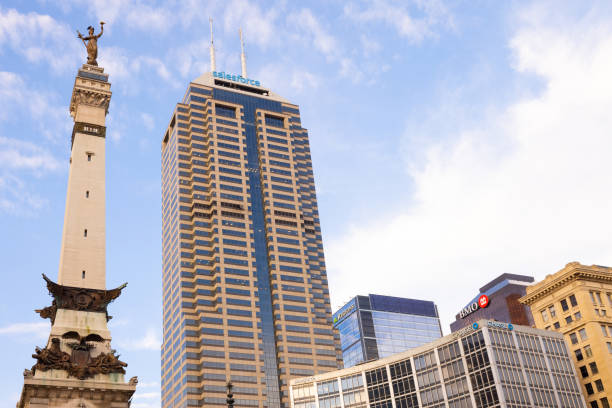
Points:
[[571, 273]]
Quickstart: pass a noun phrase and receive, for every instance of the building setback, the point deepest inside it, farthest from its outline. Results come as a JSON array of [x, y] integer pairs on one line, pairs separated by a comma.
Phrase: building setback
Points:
[[245, 288], [375, 326], [503, 295], [577, 302], [490, 364]]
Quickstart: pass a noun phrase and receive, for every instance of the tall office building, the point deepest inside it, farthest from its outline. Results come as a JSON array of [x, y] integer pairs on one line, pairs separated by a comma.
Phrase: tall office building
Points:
[[375, 326], [577, 302], [488, 364], [501, 303], [244, 283]]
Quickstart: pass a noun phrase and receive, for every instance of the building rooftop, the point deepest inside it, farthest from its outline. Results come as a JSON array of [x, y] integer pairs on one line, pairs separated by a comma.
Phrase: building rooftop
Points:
[[571, 271], [246, 88], [423, 349]]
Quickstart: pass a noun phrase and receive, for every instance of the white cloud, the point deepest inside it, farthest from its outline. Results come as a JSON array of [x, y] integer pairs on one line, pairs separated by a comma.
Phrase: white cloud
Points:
[[18, 158], [147, 121], [525, 192], [40, 329], [314, 33], [259, 26], [18, 154], [150, 341], [17, 96], [415, 25], [40, 39]]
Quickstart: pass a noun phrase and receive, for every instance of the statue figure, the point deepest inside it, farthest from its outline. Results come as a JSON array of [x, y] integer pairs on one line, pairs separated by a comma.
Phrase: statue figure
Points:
[[91, 43]]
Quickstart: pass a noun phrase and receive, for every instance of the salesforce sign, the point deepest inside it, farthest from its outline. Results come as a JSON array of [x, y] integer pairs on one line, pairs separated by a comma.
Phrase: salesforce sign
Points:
[[481, 303], [236, 78]]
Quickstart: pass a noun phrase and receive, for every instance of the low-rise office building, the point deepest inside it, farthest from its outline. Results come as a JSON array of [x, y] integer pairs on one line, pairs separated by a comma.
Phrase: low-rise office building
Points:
[[497, 300], [375, 326], [577, 302], [490, 364]]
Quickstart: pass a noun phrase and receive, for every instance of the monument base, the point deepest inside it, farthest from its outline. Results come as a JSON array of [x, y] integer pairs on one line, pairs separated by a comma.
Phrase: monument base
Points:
[[73, 393]]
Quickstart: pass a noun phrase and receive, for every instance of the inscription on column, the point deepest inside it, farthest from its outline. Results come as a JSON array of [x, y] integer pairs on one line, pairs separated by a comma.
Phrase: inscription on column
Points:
[[88, 129]]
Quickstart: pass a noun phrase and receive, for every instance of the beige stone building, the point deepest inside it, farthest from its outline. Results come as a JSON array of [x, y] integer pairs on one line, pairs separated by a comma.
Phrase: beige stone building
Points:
[[77, 367], [577, 301]]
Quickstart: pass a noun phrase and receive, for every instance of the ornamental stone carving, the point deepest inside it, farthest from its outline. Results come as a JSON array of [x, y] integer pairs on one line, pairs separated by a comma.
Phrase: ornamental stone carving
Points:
[[68, 297], [79, 364], [89, 97]]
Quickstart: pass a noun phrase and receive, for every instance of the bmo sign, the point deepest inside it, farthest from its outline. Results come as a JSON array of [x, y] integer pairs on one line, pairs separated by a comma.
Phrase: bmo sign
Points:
[[481, 303]]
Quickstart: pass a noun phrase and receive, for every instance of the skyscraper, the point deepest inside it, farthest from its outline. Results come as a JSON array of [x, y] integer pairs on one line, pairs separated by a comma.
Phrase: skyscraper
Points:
[[244, 283], [375, 326]]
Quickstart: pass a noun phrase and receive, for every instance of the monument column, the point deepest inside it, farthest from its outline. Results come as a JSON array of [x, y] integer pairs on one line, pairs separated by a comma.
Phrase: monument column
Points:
[[78, 367]]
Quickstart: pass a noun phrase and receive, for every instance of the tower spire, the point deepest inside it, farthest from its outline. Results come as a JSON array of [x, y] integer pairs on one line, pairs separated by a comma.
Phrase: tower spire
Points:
[[213, 65], [242, 56]]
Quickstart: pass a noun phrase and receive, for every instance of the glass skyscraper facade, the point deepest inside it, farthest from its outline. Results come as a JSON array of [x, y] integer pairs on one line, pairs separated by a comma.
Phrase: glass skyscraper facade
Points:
[[375, 326], [489, 364], [244, 282]]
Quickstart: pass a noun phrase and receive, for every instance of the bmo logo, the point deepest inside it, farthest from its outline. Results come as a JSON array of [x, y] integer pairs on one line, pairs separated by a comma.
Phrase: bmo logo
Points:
[[481, 303]]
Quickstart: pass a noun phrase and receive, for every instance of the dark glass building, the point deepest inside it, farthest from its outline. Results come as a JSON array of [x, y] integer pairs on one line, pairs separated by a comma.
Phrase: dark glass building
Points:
[[245, 287], [503, 294], [374, 326]]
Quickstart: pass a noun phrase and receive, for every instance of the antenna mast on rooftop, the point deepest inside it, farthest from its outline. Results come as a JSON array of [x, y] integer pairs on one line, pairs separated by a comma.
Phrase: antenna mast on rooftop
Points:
[[213, 65], [242, 56]]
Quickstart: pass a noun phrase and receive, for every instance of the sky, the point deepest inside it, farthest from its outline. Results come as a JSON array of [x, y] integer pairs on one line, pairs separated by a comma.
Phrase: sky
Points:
[[452, 141]]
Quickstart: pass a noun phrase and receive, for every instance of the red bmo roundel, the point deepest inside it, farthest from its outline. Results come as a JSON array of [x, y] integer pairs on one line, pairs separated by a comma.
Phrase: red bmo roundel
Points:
[[483, 301]]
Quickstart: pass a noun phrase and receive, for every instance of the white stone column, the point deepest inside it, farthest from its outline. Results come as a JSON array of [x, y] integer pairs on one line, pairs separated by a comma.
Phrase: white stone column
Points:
[[83, 251]]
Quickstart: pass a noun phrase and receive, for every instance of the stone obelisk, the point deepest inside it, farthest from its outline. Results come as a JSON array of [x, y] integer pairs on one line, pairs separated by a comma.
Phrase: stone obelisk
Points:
[[78, 368]]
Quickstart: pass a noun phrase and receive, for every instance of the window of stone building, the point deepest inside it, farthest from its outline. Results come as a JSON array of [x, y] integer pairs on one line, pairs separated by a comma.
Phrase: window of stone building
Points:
[[594, 403], [604, 330], [605, 403], [609, 347], [564, 305], [583, 371], [577, 316], [556, 325], [598, 296], [552, 311], [544, 315], [599, 385], [592, 295], [579, 356], [573, 338], [593, 367], [583, 334], [587, 351], [589, 389], [573, 300]]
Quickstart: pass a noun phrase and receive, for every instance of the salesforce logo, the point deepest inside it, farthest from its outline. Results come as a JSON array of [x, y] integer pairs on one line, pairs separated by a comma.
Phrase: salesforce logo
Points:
[[236, 78]]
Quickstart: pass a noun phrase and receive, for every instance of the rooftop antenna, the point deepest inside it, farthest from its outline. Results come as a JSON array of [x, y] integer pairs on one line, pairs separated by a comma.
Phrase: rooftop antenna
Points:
[[242, 57], [213, 65]]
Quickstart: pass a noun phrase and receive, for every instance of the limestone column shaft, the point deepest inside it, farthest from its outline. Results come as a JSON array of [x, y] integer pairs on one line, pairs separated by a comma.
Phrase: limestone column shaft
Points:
[[83, 251]]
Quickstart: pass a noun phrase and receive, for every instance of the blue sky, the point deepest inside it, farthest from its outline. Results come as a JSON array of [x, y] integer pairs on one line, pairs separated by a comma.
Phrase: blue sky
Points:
[[452, 141]]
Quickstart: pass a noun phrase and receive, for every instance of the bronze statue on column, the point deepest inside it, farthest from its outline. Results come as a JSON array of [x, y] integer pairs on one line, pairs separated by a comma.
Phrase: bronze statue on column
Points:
[[91, 43]]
